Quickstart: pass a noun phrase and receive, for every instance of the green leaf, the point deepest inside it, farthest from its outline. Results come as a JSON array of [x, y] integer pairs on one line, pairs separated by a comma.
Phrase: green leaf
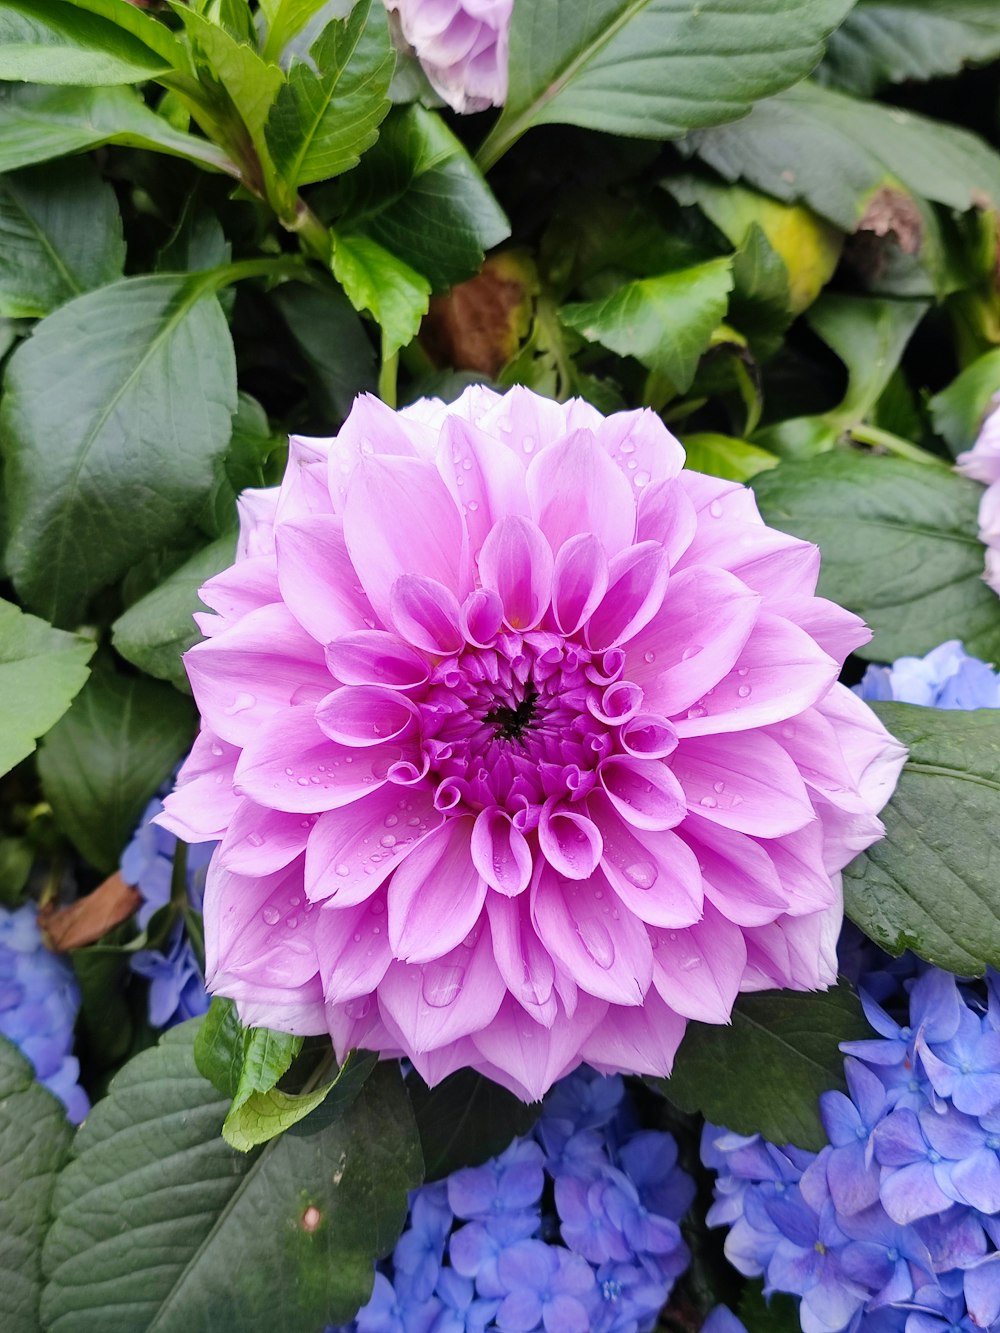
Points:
[[376, 281], [723, 456], [895, 41], [218, 1046], [282, 1239], [834, 153], [266, 1056], [60, 236], [330, 109], [778, 1313], [52, 41], [263, 1115], [41, 670], [899, 547], [117, 461], [34, 1137], [465, 1120], [420, 195], [664, 322], [107, 758], [765, 1072], [653, 68], [157, 629], [285, 19], [958, 412], [931, 884], [38, 124], [333, 343]]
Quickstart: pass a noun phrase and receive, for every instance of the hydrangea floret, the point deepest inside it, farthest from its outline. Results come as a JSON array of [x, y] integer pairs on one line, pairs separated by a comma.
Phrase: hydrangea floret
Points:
[[524, 745], [462, 46]]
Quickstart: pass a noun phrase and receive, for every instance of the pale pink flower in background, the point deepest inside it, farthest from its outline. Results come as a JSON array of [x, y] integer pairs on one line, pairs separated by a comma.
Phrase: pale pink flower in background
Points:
[[462, 46], [982, 463], [524, 745]]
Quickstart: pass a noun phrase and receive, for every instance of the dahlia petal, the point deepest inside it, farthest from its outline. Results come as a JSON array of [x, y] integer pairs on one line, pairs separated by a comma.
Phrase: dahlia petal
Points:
[[648, 736], [500, 852], [641, 446], [574, 487], [300, 1011], [666, 515], [745, 781], [375, 657], [352, 945], [637, 580], [400, 519], [703, 623], [364, 715], [252, 671], [740, 878], [796, 952], [645, 792], [529, 423], [486, 482], [436, 895], [873, 757], [609, 956], [256, 507], [426, 614], [353, 849], [718, 499], [451, 997], [257, 931], [241, 588], [516, 562], [528, 1058], [317, 579], [579, 581], [653, 872], [771, 563], [260, 841], [698, 971], [305, 487], [636, 1041], [370, 429], [837, 631], [482, 616], [799, 860], [570, 842], [202, 804], [779, 673], [291, 765], [524, 962]]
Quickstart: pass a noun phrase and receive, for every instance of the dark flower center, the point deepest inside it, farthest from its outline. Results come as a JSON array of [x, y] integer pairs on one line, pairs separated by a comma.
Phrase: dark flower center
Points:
[[509, 723]]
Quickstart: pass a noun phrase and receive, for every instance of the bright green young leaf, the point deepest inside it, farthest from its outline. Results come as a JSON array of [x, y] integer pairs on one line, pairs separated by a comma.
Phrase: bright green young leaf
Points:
[[765, 1072], [333, 343], [899, 548], [60, 236], [653, 68], [664, 322], [286, 19], [107, 758], [41, 670], [114, 464], [931, 885], [420, 195], [38, 124], [959, 410], [265, 1114], [723, 456], [285, 1236], [896, 41], [394, 294], [465, 1120], [330, 109], [58, 41], [266, 1056], [154, 632], [34, 1138], [834, 153]]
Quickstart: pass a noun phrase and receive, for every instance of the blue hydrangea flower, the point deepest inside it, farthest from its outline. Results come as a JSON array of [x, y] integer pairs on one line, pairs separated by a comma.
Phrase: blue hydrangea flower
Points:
[[946, 678], [38, 1005], [176, 986]]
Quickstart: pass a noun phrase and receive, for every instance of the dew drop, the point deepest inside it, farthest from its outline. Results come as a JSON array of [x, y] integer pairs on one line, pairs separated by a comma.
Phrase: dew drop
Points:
[[743, 671], [255, 840], [294, 900], [473, 506], [291, 922], [303, 782], [719, 787], [343, 868], [388, 840], [697, 711], [359, 1008], [217, 750], [241, 703], [715, 509], [528, 444], [649, 657], [641, 479], [413, 821], [692, 651], [271, 915], [391, 821], [377, 907], [290, 772], [357, 937], [689, 964], [441, 986], [744, 691], [598, 943], [709, 802], [642, 874], [627, 447], [466, 464]]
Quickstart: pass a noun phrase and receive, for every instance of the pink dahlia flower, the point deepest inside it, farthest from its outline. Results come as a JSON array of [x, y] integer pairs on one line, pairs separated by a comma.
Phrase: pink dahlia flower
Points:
[[462, 46], [982, 463], [524, 745]]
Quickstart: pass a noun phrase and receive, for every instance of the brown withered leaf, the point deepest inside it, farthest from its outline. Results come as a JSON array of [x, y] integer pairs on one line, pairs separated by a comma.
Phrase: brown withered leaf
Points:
[[890, 212], [480, 323], [86, 920]]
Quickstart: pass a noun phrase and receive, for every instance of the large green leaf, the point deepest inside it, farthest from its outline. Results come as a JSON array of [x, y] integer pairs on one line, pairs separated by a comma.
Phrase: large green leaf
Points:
[[420, 195], [654, 68], [465, 1120], [157, 629], [932, 884], [959, 410], [59, 41], [114, 463], [375, 280], [330, 109], [41, 670], [108, 756], [664, 322], [34, 1137], [280, 1240], [60, 236], [333, 342], [764, 1073], [38, 124], [899, 547], [834, 152], [894, 41]]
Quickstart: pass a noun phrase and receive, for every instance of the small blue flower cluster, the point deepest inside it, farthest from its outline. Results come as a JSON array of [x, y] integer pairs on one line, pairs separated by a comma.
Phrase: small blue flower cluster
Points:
[[574, 1229], [946, 678], [176, 986], [38, 1004]]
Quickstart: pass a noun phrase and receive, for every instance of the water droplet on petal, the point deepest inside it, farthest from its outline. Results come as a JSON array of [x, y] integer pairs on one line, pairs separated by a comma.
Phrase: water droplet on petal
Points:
[[598, 943], [697, 711], [291, 922], [343, 868], [642, 874], [627, 447], [720, 787], [441, 986], [715, 509], [649, 657], [744, 691], [528, 443], [217, 750], [689, 964], [388, 840], [709, 802], [359, 1008], [255, 840], [241, 703], [271, 915], [473, 506], [641, 479]]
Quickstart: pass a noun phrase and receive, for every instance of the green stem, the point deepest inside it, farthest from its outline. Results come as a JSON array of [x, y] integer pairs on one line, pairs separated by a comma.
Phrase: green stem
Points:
[[878, 438], [387, 379], [314, 238]]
